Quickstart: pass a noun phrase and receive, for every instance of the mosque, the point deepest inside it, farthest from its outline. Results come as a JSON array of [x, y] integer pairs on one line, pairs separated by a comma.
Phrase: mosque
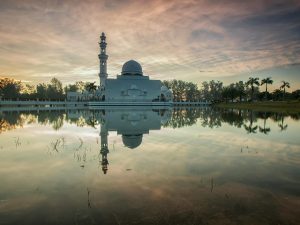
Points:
[[131, 87]]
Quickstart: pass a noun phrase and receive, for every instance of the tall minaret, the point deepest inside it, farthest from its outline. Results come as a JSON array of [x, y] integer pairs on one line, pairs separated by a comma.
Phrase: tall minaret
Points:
[[103, 57]]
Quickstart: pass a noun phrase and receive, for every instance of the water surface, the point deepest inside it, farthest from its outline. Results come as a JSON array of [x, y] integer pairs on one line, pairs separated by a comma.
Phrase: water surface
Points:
[[149, 166]]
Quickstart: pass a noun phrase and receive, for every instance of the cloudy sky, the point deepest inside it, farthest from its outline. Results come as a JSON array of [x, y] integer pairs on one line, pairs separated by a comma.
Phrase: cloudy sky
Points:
[[192, 40]]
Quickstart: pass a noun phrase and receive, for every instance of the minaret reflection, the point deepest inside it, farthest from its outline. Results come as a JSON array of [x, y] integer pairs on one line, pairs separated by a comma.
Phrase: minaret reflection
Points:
[[104, 148], [132, 124]]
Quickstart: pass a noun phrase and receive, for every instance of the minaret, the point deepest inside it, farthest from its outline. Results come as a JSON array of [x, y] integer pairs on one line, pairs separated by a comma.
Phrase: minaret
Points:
[[103, 58]]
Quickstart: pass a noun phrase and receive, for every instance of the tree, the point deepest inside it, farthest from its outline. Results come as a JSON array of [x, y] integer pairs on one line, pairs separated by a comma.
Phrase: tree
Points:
[[55, 89], [284, 85], [41, 91], [91, 87], [251, 82], [205, 91], [240, 87], [28, 91], [71, 88], [266, 81], [191, 91], [216, 88], [230, 92], [276, 95], [10, 88], [296, 94]]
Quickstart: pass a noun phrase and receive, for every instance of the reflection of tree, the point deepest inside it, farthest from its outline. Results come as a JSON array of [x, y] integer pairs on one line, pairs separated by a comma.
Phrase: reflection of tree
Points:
[[295, 116], [10, 121], [58, 122], [232, 117], [92, 121], [183, 117], [55, 118], [281, 125], [264, 129], [210, 118], [5, 126], [250, 128], [279, 117]]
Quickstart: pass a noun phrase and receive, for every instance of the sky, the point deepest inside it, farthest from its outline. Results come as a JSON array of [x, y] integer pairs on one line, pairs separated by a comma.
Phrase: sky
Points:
[[191, 40]]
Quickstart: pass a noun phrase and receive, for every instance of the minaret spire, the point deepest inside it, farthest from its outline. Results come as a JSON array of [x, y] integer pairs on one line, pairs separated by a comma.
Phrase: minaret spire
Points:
[[103, 58]]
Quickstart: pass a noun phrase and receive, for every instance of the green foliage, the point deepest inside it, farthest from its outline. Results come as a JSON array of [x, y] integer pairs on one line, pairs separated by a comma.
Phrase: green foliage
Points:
[[79, 86], [284, 85], [91, 87], [182, 90], [266, 81], [252, 82], [10, 88]]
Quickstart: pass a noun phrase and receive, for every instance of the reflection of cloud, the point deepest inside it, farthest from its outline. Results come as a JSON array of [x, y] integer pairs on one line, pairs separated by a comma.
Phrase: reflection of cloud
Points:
[[172, 39]]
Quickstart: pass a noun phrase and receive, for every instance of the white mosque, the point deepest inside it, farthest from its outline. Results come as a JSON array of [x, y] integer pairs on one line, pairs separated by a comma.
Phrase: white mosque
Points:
[[132, 86]]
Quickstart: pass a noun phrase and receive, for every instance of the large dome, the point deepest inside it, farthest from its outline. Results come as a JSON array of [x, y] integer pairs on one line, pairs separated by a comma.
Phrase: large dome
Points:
[[132, 68]]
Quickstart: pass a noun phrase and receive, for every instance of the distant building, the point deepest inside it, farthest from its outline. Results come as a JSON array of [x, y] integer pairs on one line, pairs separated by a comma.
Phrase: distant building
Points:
[[78, 96]]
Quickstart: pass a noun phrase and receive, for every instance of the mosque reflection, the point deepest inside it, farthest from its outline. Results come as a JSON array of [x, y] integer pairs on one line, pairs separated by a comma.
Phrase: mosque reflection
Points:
[[131, 124]]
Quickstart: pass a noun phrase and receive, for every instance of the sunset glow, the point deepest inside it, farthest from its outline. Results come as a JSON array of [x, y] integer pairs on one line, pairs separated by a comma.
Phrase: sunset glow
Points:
[[190, 40]]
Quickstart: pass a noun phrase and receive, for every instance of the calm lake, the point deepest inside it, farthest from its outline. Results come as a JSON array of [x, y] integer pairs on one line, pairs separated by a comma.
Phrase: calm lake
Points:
[[149, 166]]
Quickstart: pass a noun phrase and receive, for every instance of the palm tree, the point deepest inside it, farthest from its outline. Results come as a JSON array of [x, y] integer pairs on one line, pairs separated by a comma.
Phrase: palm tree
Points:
[[91, 87], [251, 82], [266, 81], [284, 85]]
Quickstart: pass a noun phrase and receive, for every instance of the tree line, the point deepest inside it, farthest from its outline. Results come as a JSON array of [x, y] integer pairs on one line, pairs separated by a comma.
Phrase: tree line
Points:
[[54, 90], [212, 91], [215, 91]]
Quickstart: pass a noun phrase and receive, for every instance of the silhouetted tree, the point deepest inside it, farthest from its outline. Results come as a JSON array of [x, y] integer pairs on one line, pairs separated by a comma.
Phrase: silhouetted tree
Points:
[[251, 82], [91, 87], [284, 85], [10, 88], [266, 81], [240, 87]]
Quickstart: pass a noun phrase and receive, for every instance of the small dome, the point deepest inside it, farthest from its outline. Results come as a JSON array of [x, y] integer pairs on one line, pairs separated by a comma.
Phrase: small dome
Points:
[[132, 68], [164, 88], [132, 141]]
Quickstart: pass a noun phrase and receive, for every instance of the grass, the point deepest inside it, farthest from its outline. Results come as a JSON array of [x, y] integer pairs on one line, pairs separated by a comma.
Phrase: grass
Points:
[[269, 106]]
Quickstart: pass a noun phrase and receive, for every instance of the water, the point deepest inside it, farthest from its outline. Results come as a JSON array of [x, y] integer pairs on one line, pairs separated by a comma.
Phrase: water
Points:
[[144, 166]]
